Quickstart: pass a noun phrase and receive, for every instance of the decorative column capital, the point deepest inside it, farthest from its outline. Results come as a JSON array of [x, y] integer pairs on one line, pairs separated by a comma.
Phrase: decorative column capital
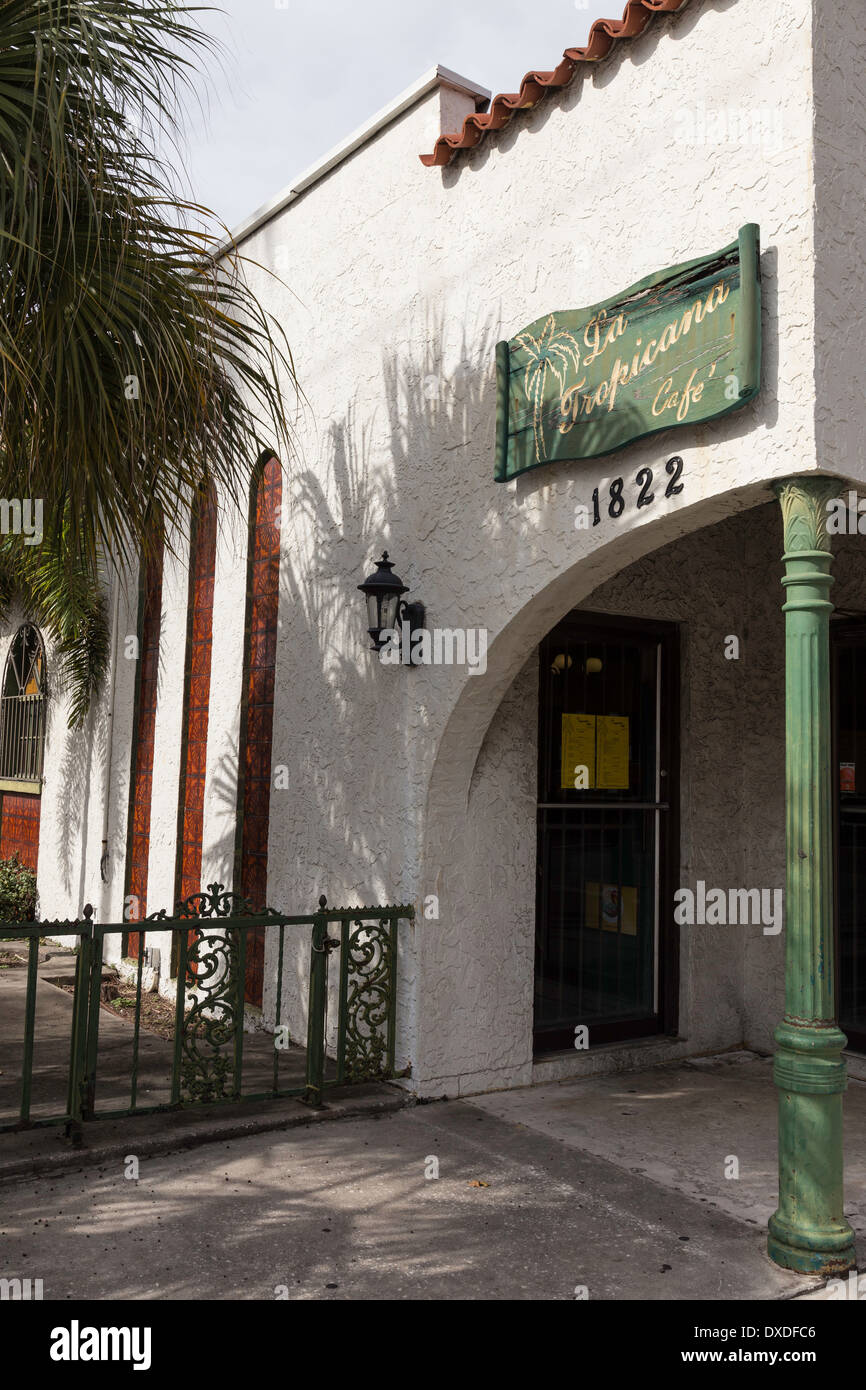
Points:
[[804, 512]]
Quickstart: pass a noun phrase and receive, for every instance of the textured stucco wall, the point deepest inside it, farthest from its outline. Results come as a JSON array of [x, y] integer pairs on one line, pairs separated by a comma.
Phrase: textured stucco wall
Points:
[[400, 280], [75, 781], [840, 235]]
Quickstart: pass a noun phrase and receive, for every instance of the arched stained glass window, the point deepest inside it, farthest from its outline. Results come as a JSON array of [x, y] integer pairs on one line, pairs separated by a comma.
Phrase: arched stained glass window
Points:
[[22, 724], [199, 647], [144, 730], [263, 593]]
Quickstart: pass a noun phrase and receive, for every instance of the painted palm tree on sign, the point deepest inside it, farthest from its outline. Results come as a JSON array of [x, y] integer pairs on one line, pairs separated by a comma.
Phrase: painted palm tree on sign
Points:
[[552, 353]]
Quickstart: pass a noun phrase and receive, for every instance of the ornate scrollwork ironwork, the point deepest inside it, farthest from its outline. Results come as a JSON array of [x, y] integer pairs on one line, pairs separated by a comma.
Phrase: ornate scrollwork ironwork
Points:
[[213, 982], [210, 1025], [218, 901], [369, 1000]]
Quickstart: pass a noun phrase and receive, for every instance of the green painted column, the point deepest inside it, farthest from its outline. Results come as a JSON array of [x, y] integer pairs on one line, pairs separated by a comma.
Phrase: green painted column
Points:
[[809, 1232]]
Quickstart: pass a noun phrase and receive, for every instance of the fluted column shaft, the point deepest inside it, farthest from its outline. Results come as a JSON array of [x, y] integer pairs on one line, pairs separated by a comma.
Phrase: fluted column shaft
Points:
[[808, 1232]]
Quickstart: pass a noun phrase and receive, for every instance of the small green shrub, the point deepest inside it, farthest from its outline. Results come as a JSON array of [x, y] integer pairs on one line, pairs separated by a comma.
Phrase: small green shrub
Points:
[[17, 891]]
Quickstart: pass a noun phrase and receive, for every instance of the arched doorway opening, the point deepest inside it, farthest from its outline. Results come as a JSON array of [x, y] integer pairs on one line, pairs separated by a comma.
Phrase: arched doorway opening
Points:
[[484, 798]]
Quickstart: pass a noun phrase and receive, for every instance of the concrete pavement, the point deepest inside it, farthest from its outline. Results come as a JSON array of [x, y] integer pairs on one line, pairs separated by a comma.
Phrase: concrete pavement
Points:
[[706, 1128], [614, 1187], [355, 1211], [53, 1032]]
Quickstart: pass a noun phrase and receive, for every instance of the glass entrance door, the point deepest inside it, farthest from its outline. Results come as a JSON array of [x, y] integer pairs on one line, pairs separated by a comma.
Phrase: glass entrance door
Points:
[[605, 831], [849, 763]]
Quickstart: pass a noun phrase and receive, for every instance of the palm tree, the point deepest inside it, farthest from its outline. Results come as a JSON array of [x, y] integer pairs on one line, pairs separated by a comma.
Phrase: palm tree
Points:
[[67, 601], [135, 362]]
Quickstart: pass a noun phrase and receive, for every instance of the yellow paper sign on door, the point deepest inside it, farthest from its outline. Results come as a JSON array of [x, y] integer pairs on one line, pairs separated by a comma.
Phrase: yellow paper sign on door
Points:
[[578, 751], [613, 753]]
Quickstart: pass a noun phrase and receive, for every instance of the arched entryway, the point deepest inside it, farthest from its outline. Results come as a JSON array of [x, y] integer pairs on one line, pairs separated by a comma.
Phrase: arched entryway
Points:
[[688, 571]]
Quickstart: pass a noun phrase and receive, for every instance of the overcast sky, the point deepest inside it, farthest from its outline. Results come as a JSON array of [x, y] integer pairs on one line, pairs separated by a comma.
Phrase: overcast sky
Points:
[[300, 75]]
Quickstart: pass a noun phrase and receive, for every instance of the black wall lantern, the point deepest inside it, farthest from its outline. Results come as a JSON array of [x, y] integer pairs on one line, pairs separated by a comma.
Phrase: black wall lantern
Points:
[[386, 610]]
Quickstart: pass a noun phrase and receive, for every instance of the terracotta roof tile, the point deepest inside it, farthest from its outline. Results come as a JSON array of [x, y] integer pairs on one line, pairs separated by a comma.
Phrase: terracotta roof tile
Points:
[[602, 36]]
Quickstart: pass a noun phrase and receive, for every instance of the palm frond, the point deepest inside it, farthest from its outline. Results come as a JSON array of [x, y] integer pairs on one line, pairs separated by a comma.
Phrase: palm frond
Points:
[[65, 597], [132, 363]]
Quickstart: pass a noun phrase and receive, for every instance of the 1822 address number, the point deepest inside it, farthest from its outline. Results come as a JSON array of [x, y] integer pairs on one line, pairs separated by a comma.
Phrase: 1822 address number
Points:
[[644, 482]]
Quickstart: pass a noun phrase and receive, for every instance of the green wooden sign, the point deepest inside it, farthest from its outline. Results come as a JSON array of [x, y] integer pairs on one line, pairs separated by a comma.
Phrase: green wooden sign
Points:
[[679, 348]]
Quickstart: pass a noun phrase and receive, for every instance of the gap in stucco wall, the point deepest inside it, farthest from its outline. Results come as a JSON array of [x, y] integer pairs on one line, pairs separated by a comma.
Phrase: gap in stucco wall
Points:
[[496, 880]]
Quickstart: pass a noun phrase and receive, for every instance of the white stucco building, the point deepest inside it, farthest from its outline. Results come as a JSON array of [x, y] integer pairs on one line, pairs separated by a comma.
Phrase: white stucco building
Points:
[[548, 909]]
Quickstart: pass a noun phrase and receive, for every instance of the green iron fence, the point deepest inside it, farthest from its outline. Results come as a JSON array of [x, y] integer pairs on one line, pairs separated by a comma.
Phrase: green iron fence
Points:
[[349, 956]]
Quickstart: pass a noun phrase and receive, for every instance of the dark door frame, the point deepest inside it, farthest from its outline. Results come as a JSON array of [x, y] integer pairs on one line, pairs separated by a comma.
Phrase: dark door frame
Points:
[[576, 624], [841, 629]]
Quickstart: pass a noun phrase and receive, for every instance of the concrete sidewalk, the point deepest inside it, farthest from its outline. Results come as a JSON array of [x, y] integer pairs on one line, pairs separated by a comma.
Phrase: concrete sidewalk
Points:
[[613, 1185], [53, 1032], [680, 1125]]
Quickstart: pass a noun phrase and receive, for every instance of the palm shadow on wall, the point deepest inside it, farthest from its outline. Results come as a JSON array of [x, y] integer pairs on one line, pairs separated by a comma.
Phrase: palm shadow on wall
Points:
[[345, 826], [396, 475], [394, 478]]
